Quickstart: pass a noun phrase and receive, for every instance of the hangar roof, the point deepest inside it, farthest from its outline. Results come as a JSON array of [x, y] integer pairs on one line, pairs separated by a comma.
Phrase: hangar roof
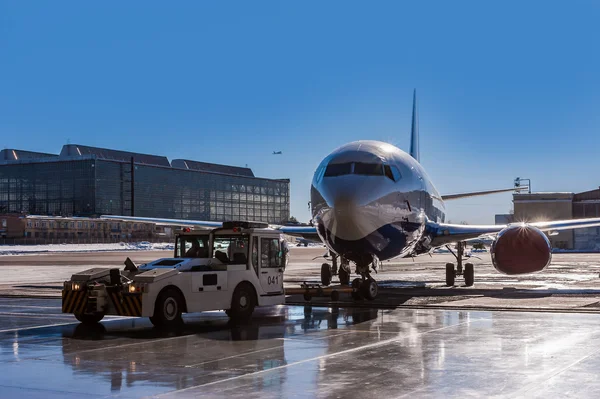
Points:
[[73, 150]]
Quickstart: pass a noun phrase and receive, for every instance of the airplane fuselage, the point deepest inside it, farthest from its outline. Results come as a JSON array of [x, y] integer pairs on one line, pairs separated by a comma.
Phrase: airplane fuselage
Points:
[[370, 198]]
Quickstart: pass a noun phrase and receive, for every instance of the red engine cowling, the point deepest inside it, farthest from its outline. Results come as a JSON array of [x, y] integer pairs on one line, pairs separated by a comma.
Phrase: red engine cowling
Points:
[[521, 249]]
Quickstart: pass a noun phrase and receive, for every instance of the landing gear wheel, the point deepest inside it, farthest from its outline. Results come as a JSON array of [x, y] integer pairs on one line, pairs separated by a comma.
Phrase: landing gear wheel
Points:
[[344, 276], [242, 302], [87, 318], [325, 274], [356, 291], [469, 274], [307, 297], [450, 274], [369, 289], [168, 308]]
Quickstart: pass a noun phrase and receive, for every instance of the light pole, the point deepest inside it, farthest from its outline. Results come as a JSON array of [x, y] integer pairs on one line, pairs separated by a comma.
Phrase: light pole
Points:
[[518, 181]]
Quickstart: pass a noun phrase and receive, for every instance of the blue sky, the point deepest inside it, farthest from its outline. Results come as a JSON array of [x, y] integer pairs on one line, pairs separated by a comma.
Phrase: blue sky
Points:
[[505, 89]]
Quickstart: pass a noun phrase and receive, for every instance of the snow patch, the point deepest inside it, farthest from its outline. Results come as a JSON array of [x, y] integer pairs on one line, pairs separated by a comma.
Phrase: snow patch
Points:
[[51, 248]]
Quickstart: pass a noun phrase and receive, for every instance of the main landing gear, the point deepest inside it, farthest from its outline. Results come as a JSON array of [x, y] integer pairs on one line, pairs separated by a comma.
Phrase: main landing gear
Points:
[[328, 271], [467, 272]]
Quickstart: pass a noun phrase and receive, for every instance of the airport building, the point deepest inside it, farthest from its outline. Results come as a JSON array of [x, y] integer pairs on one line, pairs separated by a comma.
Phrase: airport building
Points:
[[560, 206], [89, 181]]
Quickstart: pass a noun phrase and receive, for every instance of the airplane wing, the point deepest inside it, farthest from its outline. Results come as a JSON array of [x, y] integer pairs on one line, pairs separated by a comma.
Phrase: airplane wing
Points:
[[308, 232], [169, 222], [478, 193], [443, 233]]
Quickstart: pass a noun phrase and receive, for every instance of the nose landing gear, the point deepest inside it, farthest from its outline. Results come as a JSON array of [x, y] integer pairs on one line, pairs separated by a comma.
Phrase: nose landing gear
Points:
[[364, 287]]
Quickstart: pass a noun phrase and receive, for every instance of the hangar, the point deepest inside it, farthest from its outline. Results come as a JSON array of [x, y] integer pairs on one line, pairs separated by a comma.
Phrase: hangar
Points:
[[562, 205], [91, 181]]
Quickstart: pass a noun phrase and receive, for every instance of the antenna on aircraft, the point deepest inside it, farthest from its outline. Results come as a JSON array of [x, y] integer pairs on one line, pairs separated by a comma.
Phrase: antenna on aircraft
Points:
[[414, 133]]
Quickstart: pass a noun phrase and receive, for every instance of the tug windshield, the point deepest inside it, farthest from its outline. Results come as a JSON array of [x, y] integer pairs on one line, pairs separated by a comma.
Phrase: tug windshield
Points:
[[231, 249], [192, 247]]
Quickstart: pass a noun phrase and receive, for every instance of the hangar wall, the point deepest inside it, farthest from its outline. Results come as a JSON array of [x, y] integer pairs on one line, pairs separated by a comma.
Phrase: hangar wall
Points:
[[559, 206]]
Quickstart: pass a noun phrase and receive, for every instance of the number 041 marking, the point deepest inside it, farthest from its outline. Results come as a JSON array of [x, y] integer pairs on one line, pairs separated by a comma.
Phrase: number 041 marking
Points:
[[273, 280]]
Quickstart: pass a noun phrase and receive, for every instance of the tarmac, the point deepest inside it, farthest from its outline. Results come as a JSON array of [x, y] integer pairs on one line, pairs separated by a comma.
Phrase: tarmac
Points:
[[571, 283], [529, 336]]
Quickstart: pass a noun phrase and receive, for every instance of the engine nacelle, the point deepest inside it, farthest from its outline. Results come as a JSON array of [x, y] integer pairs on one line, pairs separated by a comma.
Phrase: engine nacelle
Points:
[[521, 249]]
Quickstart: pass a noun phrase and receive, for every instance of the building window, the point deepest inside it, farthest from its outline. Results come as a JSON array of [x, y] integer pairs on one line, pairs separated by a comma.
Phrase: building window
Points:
[[29, 224], [37, 224]]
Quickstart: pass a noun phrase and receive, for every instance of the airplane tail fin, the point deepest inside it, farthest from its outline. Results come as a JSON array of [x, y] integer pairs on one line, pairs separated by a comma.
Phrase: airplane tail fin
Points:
[[414, 133]]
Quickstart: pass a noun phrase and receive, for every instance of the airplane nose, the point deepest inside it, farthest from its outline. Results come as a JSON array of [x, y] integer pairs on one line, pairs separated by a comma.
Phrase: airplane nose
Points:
[[345, 216], [339, 195]]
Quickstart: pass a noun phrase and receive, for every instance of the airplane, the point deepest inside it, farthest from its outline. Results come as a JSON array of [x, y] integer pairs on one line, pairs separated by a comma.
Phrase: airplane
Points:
[[372, 202], [277, 152]]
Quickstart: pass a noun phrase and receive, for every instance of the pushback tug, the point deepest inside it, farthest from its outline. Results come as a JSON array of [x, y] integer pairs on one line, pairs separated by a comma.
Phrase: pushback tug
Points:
[[234, 268]]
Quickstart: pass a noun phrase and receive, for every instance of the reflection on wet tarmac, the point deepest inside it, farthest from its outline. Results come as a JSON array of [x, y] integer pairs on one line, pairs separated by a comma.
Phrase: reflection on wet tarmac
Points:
[[307, 352]]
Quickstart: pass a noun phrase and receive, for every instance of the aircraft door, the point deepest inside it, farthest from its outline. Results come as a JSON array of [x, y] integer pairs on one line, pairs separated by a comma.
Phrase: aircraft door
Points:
[[271, 264]]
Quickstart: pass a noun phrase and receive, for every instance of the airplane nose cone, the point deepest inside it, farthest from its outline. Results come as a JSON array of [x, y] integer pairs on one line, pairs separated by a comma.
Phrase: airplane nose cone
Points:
[[345, 217]]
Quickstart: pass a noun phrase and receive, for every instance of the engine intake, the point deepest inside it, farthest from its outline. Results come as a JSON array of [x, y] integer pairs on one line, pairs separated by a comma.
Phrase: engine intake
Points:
[[521, 249]]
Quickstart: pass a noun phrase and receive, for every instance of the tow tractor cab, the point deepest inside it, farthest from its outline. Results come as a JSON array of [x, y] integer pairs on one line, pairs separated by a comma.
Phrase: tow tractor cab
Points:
[[233, 268]]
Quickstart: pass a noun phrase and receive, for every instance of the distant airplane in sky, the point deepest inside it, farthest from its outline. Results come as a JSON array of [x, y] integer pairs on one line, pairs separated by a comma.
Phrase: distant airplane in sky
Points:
[[277, 152]]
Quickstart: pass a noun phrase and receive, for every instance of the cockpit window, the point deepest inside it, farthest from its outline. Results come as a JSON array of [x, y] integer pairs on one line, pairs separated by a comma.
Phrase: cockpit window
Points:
[[388, 172], [371, 169], [361, 168], [338, 169], [396, 173], [392, 172]]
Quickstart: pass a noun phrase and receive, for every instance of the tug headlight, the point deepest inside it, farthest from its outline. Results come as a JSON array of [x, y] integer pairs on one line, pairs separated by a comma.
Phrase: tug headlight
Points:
[[137, 288], [73, 286]]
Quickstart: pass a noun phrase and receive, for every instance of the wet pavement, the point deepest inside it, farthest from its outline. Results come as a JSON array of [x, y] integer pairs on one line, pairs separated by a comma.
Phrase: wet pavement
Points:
[[293, 351]]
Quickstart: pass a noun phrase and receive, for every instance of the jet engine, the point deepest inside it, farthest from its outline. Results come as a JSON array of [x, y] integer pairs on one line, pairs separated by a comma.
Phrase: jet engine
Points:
[[521, 249]]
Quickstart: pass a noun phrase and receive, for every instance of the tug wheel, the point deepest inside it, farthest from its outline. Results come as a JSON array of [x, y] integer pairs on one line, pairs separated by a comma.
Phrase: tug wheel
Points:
[[89, 318], [168, 308], [242, 302]]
